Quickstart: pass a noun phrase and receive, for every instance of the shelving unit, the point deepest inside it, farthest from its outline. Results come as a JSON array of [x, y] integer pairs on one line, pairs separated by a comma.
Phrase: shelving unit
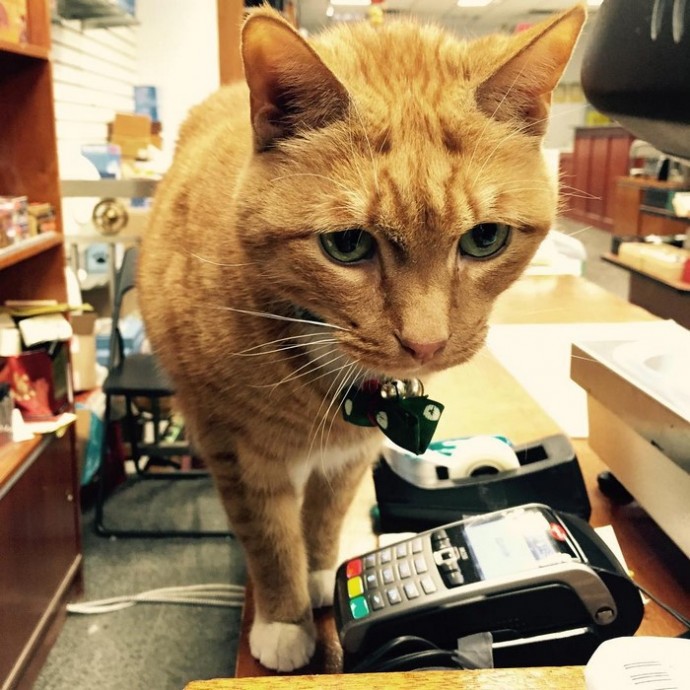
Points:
[[39, 509]]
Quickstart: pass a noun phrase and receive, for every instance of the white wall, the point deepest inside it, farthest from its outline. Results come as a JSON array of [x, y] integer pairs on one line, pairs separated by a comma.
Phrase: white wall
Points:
[[565, 117], [94, 72], [178, 53]]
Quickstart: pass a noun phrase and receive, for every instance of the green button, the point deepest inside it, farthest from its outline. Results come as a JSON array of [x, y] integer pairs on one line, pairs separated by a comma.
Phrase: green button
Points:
[[359, 607]]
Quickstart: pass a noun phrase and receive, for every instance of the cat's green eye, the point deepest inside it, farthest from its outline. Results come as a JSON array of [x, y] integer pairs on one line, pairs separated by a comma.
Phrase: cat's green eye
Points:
[[485, 240], [348, 246]]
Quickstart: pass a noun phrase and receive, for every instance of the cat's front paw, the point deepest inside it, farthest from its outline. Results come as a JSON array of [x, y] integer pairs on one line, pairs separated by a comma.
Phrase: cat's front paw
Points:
[[321, 588], [282, 646]]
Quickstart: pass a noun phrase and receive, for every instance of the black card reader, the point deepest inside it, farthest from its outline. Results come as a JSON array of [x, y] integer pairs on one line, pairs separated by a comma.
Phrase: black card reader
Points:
[[544, 584]]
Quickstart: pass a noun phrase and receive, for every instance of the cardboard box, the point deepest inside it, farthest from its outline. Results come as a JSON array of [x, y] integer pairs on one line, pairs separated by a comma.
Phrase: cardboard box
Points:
[[13, 25], [83, 349], [41, 218], [131, 132]]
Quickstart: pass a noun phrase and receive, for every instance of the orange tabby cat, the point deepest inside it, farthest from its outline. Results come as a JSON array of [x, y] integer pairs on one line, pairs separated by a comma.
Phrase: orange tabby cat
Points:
[[351, 213]]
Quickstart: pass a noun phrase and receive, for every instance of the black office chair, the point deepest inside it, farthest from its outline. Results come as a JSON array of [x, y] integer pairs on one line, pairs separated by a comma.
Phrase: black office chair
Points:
[[147, 394]]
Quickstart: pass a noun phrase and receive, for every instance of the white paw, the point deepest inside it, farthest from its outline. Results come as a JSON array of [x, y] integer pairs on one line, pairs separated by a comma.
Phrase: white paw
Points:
[[321, 588], [282, 646]]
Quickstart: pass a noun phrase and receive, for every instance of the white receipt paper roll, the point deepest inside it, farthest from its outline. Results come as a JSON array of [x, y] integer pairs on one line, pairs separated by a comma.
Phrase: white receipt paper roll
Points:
[[481, 455]]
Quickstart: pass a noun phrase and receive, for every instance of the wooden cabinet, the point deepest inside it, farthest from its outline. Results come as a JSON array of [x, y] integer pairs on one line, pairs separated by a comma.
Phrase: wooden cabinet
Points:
[[632, 217], [588, 176], [39, 515]]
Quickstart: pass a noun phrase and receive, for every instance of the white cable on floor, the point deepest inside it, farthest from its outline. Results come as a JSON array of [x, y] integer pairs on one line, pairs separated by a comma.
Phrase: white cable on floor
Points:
[[197, 595]]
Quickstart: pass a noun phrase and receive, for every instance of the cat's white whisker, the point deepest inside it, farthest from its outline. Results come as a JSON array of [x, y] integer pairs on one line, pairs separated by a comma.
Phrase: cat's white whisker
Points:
[[315, 348], [366, 138], [314, 431], [486, 126], [295, 373], [330, 341], [280, 317], [287, 358], [343, 379], [344, 395], [310, 371], [548, 117], [280, 340], [585, 194], [562, 113], [572, 195], [564, 185], [493, 152], [353, 161], [516, 132], [217, 263], [577, 232]]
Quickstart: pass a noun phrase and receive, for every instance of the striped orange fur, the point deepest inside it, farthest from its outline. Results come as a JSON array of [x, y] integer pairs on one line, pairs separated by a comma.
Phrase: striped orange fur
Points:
[[402, 131]]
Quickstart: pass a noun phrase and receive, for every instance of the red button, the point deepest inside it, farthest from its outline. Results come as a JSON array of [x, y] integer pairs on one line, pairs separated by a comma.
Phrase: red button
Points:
[[354, 568], [557, 532]]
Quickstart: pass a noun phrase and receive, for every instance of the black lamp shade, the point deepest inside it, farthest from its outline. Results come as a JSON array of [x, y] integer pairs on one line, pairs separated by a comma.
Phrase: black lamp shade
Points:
[[636, 69]]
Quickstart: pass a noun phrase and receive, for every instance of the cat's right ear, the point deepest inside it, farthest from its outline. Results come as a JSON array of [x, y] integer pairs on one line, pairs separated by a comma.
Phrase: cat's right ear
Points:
[[519, 88], [291, 89]]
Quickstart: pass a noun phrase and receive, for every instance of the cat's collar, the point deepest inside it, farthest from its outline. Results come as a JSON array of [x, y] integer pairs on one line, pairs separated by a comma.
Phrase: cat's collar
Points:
[[398, 407]]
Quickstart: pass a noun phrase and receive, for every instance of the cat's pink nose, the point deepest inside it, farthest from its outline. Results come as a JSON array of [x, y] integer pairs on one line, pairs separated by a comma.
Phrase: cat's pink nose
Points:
[[422, 352]]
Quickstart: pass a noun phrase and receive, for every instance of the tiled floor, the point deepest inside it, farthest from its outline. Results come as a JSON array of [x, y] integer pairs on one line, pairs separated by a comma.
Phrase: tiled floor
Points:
[[162, 647]]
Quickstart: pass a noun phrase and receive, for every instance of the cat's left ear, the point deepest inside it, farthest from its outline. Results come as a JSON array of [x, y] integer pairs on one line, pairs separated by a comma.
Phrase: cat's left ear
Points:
[[290, 87], [520, 88]]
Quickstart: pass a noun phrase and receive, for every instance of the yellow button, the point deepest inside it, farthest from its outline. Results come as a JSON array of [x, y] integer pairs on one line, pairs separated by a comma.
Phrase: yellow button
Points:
[[355, 587]]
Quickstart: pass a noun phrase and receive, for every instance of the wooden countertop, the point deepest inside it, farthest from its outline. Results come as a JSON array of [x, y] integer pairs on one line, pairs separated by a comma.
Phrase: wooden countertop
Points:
[[563, 299], [563, 678], [485, 396], [675, 284]]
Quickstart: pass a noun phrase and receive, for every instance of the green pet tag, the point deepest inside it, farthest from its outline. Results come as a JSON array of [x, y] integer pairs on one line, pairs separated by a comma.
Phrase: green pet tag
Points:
[[409, 422]]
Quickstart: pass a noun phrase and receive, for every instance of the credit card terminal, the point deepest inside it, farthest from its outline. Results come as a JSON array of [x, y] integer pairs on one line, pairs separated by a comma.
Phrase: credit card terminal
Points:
[[544, 584]]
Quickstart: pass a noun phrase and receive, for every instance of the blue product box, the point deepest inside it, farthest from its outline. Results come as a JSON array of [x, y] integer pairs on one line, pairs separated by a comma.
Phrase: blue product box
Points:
[[146, 101], [91, 447], [129, 6], [96, 258], [106, 157], [133, 335]]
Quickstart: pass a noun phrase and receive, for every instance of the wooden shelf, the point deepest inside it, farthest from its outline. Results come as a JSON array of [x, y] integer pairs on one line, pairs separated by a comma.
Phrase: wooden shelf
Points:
[[26, 49], [26, 249], [40, 541]]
